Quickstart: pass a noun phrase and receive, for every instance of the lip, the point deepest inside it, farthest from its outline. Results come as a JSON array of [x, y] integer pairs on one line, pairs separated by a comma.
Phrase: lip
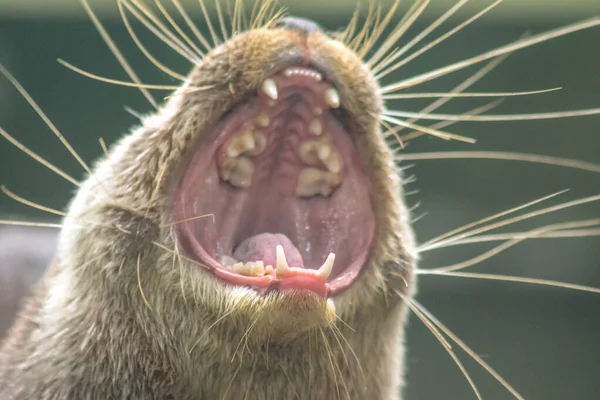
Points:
[[296, 277]]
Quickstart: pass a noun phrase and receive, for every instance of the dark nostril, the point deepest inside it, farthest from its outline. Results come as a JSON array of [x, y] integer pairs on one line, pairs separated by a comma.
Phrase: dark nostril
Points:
[[305, 26]]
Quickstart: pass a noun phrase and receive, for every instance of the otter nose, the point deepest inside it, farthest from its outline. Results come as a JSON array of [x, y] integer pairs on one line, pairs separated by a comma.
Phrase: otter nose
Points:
[[302, 25]]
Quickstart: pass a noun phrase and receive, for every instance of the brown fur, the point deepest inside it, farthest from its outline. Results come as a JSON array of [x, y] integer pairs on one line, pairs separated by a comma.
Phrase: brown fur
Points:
[[88, 332]]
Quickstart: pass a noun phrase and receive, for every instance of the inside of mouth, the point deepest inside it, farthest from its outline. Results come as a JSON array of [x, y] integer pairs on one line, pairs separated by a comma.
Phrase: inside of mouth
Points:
[[279, 170]]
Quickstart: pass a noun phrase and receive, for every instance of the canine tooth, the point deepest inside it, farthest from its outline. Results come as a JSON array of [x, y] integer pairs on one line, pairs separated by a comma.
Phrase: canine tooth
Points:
[[327, 267], [237, 171], [269, 87], [315, 127], [263, 120], [332, 98], [313, 181], [281, 267], [241, 144]]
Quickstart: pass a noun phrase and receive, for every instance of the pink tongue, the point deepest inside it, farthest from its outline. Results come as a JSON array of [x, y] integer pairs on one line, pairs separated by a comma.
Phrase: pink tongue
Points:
[[262, 247]]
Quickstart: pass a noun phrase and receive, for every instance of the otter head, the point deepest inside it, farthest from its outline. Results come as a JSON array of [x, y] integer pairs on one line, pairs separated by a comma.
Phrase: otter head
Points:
[[263, 191]]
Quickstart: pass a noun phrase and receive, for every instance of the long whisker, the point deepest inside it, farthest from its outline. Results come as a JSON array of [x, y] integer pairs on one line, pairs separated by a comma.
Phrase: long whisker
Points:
[[44, 118], [498, 249], [139, 280], [499, 155], [405, 23], [510, 278], [117, 53], [530, 41], [467, 349], [121, 83], [172, 40], [432, 328], [499, 117], [192, 25], [31, 224], [142, 48], [424, 129], [487, 219], [378, 30], [511, 221], [437, 41], [464, 85], [416, 40], [175, 26], [571, 233], [38, 158], [454, 95]]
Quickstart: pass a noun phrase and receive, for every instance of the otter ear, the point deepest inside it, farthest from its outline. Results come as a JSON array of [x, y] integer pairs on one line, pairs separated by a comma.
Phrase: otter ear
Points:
[[304, 26]]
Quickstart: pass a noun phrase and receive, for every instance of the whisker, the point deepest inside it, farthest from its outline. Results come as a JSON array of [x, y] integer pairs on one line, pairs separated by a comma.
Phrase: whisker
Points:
[[378, 30], [29, 203], [116, 52], [139, 280], [530, 41], [175, 26], [499, 155], [142, 48], [31, 224], [191, 219], [454, 95], [511, 221], [192, 25], [405, 23], [438, 335], [38, 158], [416, 40], [487, 219], [424, 129], [121, 83], [499, 117], [437, 41], [171, 39], [467, 349], [498, 249], [44, 118], [510, 278], [572, 233]]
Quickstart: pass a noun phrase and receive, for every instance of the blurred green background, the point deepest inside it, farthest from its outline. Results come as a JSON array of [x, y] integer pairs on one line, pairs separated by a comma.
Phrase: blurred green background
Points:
[[544, 341]]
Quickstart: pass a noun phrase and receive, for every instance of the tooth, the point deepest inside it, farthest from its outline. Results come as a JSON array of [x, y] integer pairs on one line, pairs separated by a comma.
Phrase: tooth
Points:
[[269, 87], [281, 267], [308, 152], [332, 97], [257, 268], [260, 144], [323, 150], [315, 127], [332, 162], [237, 171], [269, 270], [313, 181], [317, 111], [263, 120], [241, 268], [241, 144], [326, 268]]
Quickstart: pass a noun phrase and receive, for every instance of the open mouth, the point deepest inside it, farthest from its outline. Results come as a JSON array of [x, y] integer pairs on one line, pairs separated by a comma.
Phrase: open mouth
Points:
[[288, 199]]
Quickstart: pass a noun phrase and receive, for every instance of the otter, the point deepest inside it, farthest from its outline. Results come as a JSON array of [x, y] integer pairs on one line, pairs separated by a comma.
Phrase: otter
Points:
[[295, 281], [249, 240]]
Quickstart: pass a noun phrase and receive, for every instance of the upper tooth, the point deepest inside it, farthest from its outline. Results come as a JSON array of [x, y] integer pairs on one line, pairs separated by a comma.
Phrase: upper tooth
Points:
[[281, 267], [332, 98], [326, 268], [332, 162], [315, 127], [237, 171], [313, 181], [263, 120], [241, 144], [260, 144], [269, 87]]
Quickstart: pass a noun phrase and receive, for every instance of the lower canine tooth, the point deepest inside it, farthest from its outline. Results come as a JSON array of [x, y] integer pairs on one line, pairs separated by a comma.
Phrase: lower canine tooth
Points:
[[313, 181], [325, 271], [269, 87], [281, 267], [237, 171]]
